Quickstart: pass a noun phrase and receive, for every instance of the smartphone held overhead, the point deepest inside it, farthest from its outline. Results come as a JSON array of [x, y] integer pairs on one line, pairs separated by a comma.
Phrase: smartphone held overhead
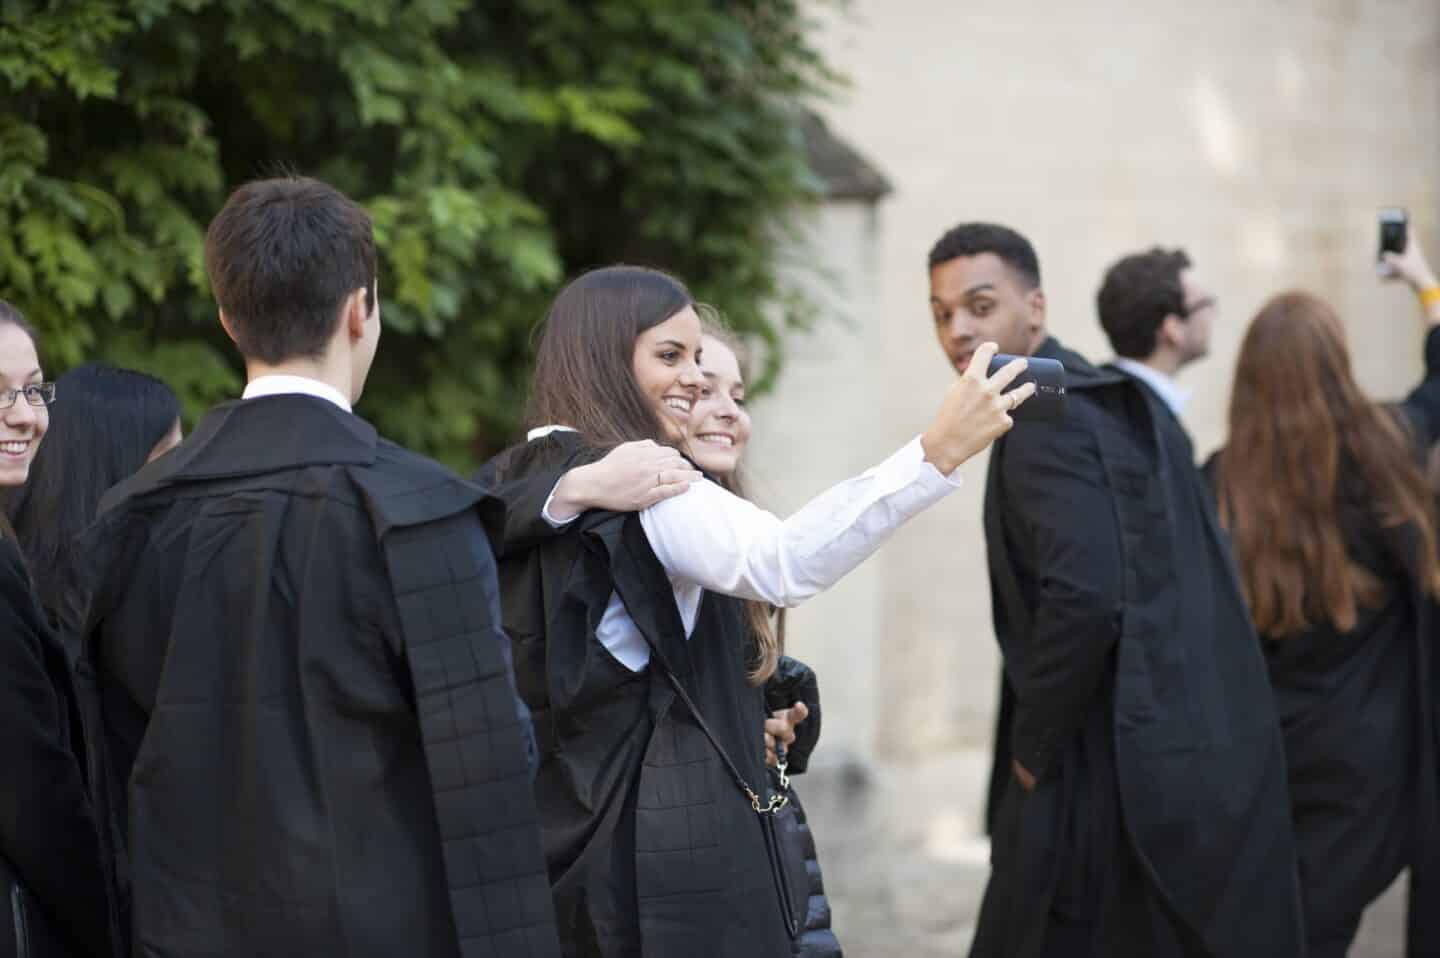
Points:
[[1394, 235], [1048, 375]]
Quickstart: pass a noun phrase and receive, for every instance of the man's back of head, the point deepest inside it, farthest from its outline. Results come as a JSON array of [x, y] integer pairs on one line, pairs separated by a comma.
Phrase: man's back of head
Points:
[[1154, 311], [985, 287], [291, 261]]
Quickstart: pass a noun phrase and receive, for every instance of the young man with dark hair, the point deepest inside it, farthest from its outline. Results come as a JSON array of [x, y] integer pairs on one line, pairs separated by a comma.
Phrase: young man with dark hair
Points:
[[312, 740], [1139, 806], [1157, 317]]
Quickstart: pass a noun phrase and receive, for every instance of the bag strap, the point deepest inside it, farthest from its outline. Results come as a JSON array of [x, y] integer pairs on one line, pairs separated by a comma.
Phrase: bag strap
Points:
[[650, 603], [776, 802]]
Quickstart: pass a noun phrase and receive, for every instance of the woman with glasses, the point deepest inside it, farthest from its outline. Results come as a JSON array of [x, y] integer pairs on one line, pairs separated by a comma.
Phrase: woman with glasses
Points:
[[114, 422], [49, 844], [1336, 536]]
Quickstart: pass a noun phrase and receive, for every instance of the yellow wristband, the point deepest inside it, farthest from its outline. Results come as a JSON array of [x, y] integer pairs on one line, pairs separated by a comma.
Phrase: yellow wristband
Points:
[[1429, 296]]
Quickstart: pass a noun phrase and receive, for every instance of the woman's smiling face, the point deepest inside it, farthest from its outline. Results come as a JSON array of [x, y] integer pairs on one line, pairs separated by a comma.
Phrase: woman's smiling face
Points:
[[719, 421], [22, 426], [666, 365]]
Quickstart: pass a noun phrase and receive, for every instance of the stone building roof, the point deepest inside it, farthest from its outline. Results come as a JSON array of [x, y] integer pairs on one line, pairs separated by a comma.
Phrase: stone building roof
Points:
[[846, 174]]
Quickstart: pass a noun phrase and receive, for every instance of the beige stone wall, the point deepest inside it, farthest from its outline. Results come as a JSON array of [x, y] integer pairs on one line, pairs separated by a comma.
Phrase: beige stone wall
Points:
[[1261, 136]]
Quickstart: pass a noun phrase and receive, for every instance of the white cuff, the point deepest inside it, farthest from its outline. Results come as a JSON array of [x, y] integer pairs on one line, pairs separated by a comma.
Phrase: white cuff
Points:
[[546, 515], [908, 466]]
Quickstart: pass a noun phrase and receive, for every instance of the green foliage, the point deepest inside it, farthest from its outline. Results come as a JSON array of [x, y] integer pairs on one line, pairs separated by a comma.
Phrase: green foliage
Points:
[[499, 146]]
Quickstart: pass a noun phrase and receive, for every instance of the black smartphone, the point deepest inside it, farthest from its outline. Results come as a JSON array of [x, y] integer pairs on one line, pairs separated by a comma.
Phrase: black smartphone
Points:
[[1048, 375], [1394, 234]]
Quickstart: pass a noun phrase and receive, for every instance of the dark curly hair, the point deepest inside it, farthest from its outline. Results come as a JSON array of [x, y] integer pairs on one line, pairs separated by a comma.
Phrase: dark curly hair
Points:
[[972, 239], [1138, 293]]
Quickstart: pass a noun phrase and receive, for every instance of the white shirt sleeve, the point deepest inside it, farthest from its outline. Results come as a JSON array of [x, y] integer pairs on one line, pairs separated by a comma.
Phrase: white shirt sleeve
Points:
[[723, 543], [548, 516]]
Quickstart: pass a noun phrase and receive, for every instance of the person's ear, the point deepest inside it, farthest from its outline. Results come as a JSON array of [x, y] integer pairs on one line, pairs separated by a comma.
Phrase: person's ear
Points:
[[356, 313], [225, 325], [1035, 299], [1171, 331]]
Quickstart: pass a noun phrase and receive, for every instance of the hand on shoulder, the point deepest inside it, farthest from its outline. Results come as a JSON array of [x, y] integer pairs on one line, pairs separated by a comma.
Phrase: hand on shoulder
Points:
[[631, 477]]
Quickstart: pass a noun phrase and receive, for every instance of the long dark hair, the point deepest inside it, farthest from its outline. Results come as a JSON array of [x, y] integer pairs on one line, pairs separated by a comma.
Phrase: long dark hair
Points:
[[10, 316], [107, 421], [1297, 417], [584, 365]]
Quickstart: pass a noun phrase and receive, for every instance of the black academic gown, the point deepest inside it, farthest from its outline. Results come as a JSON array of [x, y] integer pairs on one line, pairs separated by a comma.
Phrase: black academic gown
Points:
[[1140, 700], [312, 743], [1358, 713], [48, 834], [652, 849]]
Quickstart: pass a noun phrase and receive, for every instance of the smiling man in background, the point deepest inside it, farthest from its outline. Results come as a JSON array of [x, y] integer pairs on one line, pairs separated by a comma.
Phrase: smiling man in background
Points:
[[1138, 806]]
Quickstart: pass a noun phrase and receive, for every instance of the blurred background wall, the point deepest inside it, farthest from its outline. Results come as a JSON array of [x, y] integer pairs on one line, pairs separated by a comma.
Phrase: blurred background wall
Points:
[[1260, 136]]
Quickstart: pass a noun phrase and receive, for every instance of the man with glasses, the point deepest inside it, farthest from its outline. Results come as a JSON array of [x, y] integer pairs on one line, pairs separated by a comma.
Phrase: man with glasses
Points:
[[1158, 319], [1139, 802]]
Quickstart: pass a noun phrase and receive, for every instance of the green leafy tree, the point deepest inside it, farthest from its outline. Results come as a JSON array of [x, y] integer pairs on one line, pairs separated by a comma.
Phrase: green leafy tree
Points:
[[499, 147]]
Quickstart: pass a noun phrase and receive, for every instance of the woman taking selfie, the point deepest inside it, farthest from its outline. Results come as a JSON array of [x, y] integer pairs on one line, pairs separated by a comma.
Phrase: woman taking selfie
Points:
[[1335, 534], [719, 433], [644, 686], [49, 844]]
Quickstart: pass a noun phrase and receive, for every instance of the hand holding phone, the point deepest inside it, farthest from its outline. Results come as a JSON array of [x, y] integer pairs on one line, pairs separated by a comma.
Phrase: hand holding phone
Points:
[[1048, 375], [1401, 254], [1394, 237], [978, 408]]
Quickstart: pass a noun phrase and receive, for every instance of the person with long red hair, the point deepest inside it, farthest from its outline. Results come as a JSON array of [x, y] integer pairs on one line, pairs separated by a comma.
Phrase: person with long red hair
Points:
[[1334, 530]]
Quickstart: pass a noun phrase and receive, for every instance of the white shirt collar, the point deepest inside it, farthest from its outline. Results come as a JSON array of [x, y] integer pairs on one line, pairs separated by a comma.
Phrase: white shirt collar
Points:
[[281, 384], [1170, 392], [539, 432]]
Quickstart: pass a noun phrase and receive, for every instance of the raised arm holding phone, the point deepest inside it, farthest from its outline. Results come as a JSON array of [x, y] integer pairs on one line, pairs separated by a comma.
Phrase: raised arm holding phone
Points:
[[1407, 262]]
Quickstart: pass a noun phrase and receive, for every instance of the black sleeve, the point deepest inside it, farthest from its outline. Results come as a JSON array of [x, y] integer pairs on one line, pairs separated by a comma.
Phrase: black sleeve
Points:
[[794, 681], [1056, 491], [1422, 407], [521, 494], [47, 826]]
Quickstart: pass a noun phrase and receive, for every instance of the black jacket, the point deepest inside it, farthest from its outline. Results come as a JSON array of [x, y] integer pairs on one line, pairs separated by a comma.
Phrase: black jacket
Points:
[[794, 681], [652, 849], [48, 833], [1358, 712], [312, 742], [1120, 618]]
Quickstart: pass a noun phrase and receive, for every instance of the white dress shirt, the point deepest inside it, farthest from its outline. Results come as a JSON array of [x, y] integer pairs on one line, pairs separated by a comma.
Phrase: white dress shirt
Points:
[[709, 539], [1170, 392], [281, 384]]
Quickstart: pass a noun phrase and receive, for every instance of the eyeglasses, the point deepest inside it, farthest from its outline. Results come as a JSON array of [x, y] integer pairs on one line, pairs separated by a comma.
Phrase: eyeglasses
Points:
[[36, 394], [1199, 306]]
